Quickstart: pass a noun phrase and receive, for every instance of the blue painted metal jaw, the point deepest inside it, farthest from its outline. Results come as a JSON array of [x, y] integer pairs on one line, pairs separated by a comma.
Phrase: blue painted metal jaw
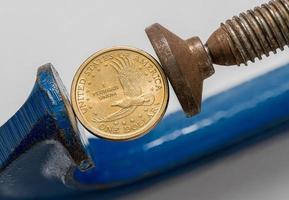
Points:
[[45, 119], [252, 110], [46, 115]]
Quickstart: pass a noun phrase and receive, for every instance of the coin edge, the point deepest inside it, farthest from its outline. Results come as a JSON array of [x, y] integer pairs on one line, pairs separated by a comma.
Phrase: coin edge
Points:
[[123, 137]]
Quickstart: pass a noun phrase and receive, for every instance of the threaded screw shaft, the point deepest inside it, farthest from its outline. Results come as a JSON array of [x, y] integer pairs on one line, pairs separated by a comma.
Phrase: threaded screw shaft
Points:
[[252, 34], [241, 39]]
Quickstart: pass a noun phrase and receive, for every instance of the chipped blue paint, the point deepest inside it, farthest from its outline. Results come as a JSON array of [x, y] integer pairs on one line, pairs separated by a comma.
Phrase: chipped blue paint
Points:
[[45, 115]]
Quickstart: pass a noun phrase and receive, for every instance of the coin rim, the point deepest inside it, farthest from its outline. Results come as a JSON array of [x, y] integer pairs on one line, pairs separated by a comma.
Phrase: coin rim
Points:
[[123, 137]]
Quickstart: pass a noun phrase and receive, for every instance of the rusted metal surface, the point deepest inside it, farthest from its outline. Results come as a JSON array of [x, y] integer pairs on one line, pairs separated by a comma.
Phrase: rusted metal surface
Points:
[[241, 39], [186, 64], [251, 35]]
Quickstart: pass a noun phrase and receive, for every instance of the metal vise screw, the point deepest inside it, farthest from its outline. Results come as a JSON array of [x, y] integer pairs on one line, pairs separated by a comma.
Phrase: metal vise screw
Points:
[[239, 40]]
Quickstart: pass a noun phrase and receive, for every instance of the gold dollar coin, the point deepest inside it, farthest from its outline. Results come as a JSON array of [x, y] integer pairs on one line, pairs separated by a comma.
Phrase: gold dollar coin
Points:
[[119, 93]]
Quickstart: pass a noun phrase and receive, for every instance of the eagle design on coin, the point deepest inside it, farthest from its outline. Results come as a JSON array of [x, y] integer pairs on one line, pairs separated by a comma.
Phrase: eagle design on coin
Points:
[[119, 93], [133, 95]]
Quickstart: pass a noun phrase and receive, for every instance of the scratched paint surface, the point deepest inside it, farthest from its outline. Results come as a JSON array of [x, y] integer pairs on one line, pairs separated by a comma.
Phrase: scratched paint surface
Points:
[[44, 116]]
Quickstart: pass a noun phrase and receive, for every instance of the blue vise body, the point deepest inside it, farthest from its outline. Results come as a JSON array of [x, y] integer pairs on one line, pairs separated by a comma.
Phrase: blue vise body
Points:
[[42, 138]]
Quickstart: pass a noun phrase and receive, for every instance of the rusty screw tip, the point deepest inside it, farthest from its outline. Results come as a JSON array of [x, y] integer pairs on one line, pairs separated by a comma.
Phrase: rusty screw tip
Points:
[[239, 40]]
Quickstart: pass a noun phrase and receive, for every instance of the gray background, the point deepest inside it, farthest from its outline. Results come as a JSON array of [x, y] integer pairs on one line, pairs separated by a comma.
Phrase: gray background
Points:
[[65, 33]]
